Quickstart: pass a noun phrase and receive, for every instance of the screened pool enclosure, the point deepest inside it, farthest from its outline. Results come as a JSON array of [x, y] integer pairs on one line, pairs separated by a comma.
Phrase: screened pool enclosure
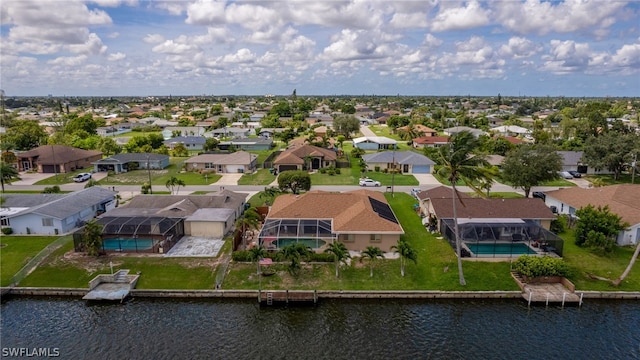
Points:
[[500, 238], [277, 233], [136, 234]]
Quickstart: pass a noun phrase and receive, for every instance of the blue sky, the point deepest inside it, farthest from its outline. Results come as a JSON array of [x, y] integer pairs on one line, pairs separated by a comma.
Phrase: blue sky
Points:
[[426, 47]]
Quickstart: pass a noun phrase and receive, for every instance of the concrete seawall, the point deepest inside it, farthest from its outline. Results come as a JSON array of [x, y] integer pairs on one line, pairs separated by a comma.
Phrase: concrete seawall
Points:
[[322, 294]]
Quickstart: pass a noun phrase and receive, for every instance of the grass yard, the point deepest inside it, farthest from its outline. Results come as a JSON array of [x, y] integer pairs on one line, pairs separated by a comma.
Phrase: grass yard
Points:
[[610, 266], [434, 256], [16, 251], [625, 178], [388, 179], [64, 178], [160, 177], [64, 268], [260, 177]]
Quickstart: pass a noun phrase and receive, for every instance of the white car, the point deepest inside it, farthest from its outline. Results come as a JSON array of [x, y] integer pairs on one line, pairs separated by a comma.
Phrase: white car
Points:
[[368, 182], [82, 177], [566, 175]]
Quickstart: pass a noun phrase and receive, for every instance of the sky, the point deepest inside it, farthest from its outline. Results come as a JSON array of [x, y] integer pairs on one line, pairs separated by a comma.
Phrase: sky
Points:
[[326, 47]]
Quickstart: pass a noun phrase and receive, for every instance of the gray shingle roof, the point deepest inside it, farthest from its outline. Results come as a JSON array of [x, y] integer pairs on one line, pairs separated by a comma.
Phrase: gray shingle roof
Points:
[[71, 203], [401, 157], [128, 157]]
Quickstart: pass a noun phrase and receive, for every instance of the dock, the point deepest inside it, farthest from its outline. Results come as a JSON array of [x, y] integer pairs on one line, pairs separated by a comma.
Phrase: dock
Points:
[[547, 290], [113, 287], [298, 297]]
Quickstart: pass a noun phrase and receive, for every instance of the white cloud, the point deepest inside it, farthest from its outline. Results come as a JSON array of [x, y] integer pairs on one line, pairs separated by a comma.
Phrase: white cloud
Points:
[[566, 56], [206, 12], [241, 56], [116, 56], [459, 18], [153, 38], [542, 17], [413, 20], [519, 47], [174, 48], [68, 60], [46, 14]]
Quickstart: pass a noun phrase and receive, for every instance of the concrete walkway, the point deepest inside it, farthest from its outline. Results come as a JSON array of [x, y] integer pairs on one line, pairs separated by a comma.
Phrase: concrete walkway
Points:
[[426, 179], [366, 131], [228, 179]]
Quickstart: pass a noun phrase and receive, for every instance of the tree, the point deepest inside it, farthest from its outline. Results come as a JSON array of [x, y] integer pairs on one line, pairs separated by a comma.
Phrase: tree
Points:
[[597, 228], [250, 220], [92, 238], [611, 151], [25, 135], [340, 140], [108, 146], [179, 150], [294, 253], [7, 174], [531, 165], [256, 254], [458, 162], [174, 184], [346, 124], [340, 254], [406, 252], [628, 269], [210, 144], [371, 253], [295, 180]]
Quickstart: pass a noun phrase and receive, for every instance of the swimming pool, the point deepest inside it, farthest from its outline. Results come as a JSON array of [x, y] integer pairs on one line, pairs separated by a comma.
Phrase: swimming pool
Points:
[[500, 249], [127, 244], [312, 243]]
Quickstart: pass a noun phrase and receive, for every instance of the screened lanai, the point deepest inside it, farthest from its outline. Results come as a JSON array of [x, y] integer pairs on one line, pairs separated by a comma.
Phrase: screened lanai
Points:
[[500, 238], [137, 234], [277, 233]]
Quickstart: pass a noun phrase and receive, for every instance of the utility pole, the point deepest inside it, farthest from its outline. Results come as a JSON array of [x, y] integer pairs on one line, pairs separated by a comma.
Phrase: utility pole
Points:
[[393, 171], [149, 172], [633, 168]]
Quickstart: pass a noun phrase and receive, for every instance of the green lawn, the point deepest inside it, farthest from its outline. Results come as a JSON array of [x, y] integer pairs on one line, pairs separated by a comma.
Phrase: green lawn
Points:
[[156, 272], [60, 179], [160, 177], [388, 179], [609, 266], [16, 251], [260, 177], [625, 178]]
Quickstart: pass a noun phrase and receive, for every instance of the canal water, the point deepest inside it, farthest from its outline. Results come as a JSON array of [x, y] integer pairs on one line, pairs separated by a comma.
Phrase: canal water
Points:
[[334, 329]]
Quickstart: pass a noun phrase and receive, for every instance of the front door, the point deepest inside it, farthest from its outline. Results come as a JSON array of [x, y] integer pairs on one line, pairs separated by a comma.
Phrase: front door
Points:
[[26, 165]]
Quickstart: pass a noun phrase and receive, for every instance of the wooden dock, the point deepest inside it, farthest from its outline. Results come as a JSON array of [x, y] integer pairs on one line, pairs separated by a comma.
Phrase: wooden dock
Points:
[[299, 297], [547, 290]]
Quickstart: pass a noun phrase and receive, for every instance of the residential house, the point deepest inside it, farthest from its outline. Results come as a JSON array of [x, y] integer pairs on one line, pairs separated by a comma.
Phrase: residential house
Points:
[[456, 129], [299, 157], [510, 130], [500, 222], [247, 144], [622, 200], [358, 219], [374, 143], [131, 161], [54, 214], [268, 133], [408, 162], [174, 131], [191, 143], [418, 129], [430, 141], [229, 132], [236, 162], [56, 159]]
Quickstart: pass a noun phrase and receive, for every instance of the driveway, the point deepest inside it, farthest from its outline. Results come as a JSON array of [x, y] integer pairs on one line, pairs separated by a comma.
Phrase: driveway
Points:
[[228, 179], [31, 178], [426, 179], [366, 131]]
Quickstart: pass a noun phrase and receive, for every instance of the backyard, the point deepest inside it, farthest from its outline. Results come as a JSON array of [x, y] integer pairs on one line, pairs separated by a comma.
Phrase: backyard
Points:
[[16, 251]]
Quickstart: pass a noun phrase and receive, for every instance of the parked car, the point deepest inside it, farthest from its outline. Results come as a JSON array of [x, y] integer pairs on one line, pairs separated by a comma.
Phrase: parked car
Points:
[[575, 174], [415, 191], [538, 194], [566, 175], [82, 177], [368, 182]]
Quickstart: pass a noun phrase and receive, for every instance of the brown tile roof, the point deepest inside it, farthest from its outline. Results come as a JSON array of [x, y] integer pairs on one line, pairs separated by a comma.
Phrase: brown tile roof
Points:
[[58, 154], [431, 140], [419, 128], [236, 158], [623, 200], [440, 192], [294, 155], [351, 211], [479, 208]]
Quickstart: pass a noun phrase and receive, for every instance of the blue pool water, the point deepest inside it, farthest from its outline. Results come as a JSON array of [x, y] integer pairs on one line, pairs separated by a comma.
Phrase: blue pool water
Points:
[[500, 249], [127, 244]]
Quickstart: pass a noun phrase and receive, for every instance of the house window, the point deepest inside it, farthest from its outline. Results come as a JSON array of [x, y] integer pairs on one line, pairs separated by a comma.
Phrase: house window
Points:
[[376, 238], [47, 222], [347, 237], [5, 222], [209, 166]]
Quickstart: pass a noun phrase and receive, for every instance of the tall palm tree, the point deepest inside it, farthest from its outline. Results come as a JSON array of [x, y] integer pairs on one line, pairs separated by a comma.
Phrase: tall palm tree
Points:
[[371, 253], [459, 163], [249, 221], [406, 252], [7, 174], [257, 253], [340, 254]]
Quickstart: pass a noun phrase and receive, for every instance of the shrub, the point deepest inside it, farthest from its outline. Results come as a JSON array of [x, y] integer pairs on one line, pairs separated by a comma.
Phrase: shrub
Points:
[[534, 266], [331, 172], [322, 170], [376, 169], [322, 257], [559, 225], [7, 231], [337, 171], [55, 189], [145, 189]]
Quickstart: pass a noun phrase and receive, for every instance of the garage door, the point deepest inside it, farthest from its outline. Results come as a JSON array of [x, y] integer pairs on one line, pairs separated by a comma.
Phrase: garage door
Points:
[[423, 169], [49, 169], [287, 167]]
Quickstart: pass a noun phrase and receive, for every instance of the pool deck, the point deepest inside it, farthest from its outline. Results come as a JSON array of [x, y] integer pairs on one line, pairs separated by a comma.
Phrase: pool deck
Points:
[[196, 246]]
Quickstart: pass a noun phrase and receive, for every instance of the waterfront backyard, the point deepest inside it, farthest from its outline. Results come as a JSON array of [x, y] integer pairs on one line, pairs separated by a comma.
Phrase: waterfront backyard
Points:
[[435, 268]]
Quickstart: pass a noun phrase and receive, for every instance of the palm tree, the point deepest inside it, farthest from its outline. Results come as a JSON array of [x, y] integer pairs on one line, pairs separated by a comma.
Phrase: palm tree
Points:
[[295, 253], [92, 238], [249, 221], [372, 253], [406, 253], [460, 163], [256, 254], [174, 184], [340, 254], [7, 174]]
